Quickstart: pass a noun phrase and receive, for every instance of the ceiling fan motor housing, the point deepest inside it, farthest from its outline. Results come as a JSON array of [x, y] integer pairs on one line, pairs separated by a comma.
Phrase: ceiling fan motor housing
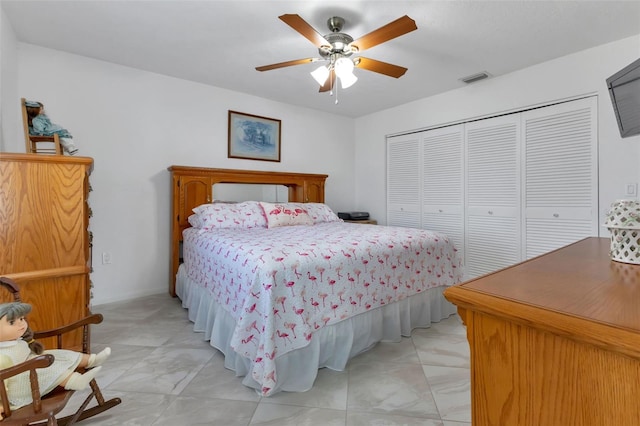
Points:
[[335, 24], [339, 42]]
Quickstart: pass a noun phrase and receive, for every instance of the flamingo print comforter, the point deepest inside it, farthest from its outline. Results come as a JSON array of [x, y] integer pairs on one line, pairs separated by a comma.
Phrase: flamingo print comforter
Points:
[[282, 284]]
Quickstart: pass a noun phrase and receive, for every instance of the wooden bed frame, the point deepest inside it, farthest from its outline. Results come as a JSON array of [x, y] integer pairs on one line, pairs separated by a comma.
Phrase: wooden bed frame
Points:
[[192, 186]]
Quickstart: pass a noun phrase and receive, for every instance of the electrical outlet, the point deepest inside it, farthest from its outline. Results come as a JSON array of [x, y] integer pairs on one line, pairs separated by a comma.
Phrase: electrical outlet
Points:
[[106, 258], [631, 190]]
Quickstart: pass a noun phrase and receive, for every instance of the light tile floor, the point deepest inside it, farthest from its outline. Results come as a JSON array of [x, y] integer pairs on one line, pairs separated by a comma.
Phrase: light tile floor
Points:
[[167, 375]]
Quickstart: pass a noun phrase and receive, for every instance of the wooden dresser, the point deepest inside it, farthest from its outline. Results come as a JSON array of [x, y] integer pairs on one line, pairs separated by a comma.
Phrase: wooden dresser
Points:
[[44, 219], [555, 341]]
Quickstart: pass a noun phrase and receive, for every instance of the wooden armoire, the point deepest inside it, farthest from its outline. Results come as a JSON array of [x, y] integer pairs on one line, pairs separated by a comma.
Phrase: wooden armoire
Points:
[[44, 237]]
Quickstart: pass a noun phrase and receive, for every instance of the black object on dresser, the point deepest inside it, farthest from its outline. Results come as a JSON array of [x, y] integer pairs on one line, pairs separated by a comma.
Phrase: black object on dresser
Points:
[[353, 215]]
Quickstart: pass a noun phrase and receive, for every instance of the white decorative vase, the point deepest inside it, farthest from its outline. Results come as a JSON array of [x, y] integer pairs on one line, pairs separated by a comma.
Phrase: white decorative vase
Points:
[[623, 222]]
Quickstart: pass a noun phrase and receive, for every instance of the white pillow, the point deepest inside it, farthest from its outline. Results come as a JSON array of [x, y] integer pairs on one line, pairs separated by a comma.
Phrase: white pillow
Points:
[[285, 214], [195, 221], [247, 214], [321, 213]]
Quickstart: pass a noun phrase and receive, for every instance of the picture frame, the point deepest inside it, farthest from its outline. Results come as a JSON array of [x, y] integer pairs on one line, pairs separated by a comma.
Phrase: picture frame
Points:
[[253, 137]]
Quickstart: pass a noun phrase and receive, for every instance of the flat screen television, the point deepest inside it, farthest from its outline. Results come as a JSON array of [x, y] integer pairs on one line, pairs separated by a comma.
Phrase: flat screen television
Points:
[[624, 89]]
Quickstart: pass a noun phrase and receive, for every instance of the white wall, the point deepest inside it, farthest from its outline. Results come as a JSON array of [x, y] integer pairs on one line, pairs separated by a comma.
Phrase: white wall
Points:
[[135, 124], [570, 76], [9, 110]]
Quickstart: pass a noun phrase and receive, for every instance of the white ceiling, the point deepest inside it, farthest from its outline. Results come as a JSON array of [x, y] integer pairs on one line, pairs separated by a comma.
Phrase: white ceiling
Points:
[[220, 43]]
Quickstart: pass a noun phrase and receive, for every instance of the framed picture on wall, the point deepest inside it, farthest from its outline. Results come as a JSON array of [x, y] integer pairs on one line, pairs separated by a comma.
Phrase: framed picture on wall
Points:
[[253, 137]]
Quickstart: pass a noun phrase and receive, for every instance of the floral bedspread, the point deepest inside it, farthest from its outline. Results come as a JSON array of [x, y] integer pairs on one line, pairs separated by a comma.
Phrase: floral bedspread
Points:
[[282, 284]]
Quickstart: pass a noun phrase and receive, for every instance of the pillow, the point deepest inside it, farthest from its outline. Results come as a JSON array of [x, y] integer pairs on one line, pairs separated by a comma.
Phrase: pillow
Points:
[[285, 214], [195, 221], [247, 214], [321, 213]]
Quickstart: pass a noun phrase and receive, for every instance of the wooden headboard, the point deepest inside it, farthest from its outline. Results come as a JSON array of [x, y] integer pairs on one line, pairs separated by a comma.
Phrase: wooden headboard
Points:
[[193, 186]]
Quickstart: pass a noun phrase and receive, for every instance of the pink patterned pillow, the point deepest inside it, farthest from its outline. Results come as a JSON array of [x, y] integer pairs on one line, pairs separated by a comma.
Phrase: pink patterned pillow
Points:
[[247, 214], [321, 213], [285, 214]]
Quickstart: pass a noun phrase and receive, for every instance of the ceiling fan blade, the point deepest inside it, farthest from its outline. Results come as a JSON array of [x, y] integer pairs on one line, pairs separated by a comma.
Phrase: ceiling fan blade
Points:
[[328, 85], [390, 31], [381, 67], [301, 26], [286, 64]]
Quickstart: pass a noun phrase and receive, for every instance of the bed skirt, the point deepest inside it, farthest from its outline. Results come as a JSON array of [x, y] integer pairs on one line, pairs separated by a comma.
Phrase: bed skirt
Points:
[[331, 347]]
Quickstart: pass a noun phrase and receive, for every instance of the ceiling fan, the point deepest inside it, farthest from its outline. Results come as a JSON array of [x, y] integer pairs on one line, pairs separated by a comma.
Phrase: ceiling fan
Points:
[[338, 47]]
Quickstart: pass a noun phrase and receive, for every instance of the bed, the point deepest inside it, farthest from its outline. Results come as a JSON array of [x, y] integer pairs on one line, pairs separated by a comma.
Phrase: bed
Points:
[[287, 288]]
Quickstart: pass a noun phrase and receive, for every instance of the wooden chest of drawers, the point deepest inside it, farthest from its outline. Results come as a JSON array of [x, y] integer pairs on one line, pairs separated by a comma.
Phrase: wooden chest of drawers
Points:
[[44, 235], [555, 340]]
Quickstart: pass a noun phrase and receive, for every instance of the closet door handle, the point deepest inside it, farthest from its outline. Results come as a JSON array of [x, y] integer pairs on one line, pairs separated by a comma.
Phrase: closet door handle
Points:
[[490, 212], [556, 215]]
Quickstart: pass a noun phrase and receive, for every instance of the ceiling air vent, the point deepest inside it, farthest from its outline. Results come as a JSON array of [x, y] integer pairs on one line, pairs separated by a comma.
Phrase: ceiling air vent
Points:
[[475, 77]]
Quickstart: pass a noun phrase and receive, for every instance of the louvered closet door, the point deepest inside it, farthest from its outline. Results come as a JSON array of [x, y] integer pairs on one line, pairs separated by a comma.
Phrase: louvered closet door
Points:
[[493, 220], [442, 185], [403, 181], [560, 175]]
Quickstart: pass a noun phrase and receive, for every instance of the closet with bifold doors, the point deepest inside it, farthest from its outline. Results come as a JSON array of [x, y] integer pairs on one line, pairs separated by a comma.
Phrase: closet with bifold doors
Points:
[[425, 181], [505, 188]]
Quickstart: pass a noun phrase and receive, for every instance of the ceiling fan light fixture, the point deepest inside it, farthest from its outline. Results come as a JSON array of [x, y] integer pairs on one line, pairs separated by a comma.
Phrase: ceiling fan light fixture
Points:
[[344, 66], [348, 80], [344, 71], [320, 74]]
